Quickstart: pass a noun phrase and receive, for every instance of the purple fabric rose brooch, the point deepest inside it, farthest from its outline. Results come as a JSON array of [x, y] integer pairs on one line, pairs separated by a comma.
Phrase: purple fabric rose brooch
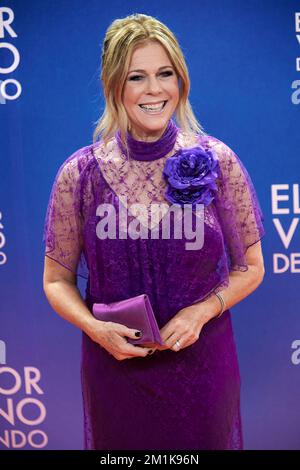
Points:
[[191, 175]]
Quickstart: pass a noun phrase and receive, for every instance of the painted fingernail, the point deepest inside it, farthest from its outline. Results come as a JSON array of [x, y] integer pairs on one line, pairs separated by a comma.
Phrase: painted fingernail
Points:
[[150, 351], [138, 334]]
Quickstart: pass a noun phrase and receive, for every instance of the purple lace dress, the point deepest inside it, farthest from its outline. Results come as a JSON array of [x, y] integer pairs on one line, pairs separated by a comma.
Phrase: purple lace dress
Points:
[[188, 399]]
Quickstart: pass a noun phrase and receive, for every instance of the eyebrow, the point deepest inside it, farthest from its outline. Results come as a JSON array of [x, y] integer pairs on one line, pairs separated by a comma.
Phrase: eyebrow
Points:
[[160, 68]]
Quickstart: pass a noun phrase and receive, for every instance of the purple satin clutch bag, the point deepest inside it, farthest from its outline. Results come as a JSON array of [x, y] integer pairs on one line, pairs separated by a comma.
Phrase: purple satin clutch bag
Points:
[[135, 312]]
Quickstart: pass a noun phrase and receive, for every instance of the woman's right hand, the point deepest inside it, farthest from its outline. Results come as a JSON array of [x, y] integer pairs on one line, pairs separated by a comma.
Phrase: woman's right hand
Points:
[[112, 337], [65, 298]]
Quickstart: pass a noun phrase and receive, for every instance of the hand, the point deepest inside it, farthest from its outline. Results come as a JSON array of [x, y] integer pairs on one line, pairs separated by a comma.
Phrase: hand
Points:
[[184, 327], [112, 337]]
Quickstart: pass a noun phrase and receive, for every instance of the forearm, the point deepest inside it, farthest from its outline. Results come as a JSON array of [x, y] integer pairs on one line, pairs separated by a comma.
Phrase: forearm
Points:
[[65, 298], [241, 284]]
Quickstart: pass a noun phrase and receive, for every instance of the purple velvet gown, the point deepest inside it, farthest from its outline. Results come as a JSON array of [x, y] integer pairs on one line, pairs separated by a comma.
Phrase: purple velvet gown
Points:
[[188, 399]]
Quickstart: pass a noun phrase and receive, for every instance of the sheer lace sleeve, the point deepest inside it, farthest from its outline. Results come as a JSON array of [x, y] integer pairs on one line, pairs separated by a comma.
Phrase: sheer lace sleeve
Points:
[[63, 234], [238, 207]]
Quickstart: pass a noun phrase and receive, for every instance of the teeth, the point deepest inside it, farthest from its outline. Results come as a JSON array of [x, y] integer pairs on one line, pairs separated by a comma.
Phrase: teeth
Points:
[[153, 107]]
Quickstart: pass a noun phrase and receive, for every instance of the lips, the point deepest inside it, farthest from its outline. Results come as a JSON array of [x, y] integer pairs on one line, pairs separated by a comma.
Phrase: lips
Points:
[[153, 104]]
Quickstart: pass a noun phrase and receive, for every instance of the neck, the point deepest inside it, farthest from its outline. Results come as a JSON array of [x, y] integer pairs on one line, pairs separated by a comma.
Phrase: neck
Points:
[[151, 149], [143, 137]]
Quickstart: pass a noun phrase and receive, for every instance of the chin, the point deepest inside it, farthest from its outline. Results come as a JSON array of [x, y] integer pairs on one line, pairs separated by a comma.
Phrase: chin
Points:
[[157, 123], [155, 127], [150, 126]]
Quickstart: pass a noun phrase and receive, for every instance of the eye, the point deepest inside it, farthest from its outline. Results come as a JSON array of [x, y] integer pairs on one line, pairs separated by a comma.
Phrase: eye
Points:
[[168, 73], [134, 77]]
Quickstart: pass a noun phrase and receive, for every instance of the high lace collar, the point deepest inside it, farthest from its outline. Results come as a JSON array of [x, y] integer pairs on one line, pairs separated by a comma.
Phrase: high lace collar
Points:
[[149, 151]]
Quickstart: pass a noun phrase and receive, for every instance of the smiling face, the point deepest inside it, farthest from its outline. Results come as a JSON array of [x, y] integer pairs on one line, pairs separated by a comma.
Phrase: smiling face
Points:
[[151, 80]]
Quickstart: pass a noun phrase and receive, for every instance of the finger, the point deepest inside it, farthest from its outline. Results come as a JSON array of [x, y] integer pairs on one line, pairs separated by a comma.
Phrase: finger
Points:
[[167, 334], [167, 345], [172, 328], [162, 348], [184, 340], [177, 346], [136, 350], [172, 339], [180, 342], [169, 329], [149, 345], [130, 332]]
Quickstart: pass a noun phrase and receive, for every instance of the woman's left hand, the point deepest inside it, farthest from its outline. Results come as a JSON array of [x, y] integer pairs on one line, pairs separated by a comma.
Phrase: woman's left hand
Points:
[[184, 327]]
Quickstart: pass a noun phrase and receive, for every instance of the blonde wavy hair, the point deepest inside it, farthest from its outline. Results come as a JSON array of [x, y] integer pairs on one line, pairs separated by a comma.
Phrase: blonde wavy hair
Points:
[[122, 38]]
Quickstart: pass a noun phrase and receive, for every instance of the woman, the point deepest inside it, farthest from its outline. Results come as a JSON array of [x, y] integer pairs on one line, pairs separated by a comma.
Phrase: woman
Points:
[[184, 394]]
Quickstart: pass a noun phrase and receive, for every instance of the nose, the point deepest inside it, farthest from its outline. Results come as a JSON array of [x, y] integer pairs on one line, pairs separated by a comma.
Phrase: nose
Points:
[[153, 85]]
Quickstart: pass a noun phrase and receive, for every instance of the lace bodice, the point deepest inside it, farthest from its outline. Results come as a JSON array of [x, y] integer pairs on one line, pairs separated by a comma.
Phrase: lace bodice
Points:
[[96, 174], [139, 182]]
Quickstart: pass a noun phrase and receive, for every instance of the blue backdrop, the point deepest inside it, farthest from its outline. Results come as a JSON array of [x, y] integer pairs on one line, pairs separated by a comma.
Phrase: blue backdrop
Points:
[[245, 90]]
